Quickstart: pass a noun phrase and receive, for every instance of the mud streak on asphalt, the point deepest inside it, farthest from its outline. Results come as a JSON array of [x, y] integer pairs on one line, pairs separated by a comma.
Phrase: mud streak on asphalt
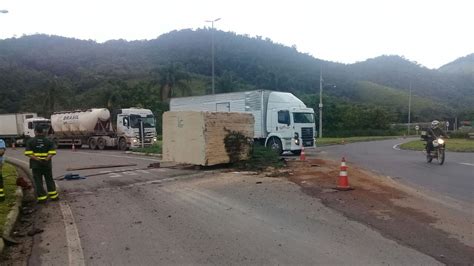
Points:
[[371, 204]]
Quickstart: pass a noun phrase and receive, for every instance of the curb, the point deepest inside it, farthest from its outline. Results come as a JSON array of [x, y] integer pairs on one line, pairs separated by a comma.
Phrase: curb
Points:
[[12, 217], [144, 153], [14, 213]]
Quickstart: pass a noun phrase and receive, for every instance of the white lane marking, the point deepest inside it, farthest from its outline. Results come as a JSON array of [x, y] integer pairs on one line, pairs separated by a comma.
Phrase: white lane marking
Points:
[[469, 164], [75, 254], [397, 146], [118, 156], [143, 171], [130, 173]]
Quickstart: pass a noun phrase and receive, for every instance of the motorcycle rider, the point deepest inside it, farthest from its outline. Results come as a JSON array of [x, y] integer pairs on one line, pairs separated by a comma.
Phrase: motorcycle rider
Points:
[[433, 133]]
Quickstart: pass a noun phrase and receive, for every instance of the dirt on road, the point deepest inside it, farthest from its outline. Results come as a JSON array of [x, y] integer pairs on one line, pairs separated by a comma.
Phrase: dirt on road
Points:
[[440, 229]]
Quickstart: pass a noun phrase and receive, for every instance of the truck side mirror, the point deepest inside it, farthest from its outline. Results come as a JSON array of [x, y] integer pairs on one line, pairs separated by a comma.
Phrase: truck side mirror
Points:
[[125, 122]]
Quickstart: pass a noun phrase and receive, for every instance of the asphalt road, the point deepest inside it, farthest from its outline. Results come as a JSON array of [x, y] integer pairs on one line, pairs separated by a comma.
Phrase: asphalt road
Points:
[[454, 179], [169, 216]]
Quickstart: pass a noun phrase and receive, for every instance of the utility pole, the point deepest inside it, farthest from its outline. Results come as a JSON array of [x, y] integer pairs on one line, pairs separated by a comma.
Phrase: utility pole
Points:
[[321, 102], [409, 111], [212, 51]]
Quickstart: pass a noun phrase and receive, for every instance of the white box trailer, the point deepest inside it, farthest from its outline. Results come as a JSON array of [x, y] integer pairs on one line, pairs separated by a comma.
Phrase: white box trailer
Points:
[[12, 126], [282, 121]]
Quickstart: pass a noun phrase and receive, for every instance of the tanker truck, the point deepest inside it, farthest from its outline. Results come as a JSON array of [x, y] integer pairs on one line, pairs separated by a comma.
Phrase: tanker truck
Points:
[[124, 129], [17, 128]]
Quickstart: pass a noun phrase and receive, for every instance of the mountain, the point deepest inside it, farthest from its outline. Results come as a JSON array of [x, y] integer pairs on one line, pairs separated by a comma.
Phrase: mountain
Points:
[[462, 66], [68, 73]]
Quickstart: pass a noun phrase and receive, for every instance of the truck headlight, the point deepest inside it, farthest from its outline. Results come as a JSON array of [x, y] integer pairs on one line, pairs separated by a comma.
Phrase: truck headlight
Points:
[[134, 140], [155, 139], [297, 141]]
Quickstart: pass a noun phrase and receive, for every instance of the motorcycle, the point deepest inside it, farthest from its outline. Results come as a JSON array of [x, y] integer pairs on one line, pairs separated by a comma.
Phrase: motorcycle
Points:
[[438, 151]]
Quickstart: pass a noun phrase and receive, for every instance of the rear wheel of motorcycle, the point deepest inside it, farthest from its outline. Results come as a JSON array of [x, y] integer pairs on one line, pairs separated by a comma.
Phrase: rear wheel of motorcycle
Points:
[[441, 157]]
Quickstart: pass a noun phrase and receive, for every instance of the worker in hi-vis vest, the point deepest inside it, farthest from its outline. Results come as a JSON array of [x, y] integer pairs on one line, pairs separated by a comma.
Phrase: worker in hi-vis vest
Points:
[[41, 151]]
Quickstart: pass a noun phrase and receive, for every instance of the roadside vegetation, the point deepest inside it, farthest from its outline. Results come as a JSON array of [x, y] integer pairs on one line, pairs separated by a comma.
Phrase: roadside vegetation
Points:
[[262, 158], [457, 145], [154, 149], [9, 182], [335, 141]]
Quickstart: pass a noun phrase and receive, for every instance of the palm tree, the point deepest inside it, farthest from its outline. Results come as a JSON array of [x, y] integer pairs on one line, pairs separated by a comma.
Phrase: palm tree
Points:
[[172, 76]]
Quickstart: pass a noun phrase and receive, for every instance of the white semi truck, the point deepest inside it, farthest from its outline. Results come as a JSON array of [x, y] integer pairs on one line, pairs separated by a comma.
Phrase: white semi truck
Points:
[[282, 121], [126, 128], [17, 128]]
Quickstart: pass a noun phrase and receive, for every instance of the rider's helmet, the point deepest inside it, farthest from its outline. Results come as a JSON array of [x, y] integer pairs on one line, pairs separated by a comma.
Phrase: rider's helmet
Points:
[[434, 124]]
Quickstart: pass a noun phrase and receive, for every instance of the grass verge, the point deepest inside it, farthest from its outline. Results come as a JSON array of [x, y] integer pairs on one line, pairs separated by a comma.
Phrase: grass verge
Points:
[[9, 183], [335, 141], [155, 148], [458, 145]]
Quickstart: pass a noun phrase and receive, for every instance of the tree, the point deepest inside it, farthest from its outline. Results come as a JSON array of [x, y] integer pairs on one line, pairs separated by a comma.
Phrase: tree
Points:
[[170, 77]]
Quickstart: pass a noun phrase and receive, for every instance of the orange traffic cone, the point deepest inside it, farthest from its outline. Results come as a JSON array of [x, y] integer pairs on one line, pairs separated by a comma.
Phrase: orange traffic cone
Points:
[[343, 183], [302, 155]]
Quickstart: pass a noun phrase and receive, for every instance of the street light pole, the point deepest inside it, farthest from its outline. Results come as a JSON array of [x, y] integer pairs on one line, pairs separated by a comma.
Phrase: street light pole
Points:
[[409, 111], [320, 103], [212, 49]]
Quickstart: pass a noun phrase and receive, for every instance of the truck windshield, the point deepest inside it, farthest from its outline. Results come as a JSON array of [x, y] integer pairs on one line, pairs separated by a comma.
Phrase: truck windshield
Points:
[[148, 121], [32, 125], [303, 118]]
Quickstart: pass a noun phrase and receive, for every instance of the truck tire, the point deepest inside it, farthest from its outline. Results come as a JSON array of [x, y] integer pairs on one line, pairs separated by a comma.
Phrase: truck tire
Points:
[[101, 143], [92, 144], [274, 143], [56, 143], [122, 144]]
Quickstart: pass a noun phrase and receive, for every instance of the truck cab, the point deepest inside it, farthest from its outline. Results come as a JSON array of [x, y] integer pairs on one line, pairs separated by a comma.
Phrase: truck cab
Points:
[[131, 122], [31, 123], [290, 124], [29, 126]]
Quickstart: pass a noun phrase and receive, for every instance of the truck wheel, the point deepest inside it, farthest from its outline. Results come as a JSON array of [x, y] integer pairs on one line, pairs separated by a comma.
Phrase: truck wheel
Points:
[[122, 144], [92, 144], [56, 143], [274, 143], [101, 143]]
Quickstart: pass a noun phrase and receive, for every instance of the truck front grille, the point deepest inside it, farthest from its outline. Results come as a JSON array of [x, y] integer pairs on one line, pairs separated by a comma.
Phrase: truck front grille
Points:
[[307, 135]]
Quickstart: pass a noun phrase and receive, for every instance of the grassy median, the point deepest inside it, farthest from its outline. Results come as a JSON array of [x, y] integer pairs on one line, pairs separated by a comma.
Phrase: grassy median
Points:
[[335, 141], [155, 148], [458, 145], [9, 183]]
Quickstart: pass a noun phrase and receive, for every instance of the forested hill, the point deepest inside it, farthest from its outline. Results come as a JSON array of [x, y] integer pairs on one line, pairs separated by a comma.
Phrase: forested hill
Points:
[[49, 73]]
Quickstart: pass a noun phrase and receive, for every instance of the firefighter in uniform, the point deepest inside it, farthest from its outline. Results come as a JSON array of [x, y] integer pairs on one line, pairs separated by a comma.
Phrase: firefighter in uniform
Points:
[[2, 158], [41, 150]]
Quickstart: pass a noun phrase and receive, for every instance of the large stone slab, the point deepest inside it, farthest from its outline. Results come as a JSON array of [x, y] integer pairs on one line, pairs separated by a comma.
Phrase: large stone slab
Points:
[[207, 138]]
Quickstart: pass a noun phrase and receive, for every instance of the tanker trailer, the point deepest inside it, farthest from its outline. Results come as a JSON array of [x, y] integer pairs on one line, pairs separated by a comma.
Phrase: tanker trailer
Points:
[[99, 129]]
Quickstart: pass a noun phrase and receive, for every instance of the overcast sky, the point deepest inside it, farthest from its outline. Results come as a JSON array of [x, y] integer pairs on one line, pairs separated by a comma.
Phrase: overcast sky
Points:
[[431, 32]]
